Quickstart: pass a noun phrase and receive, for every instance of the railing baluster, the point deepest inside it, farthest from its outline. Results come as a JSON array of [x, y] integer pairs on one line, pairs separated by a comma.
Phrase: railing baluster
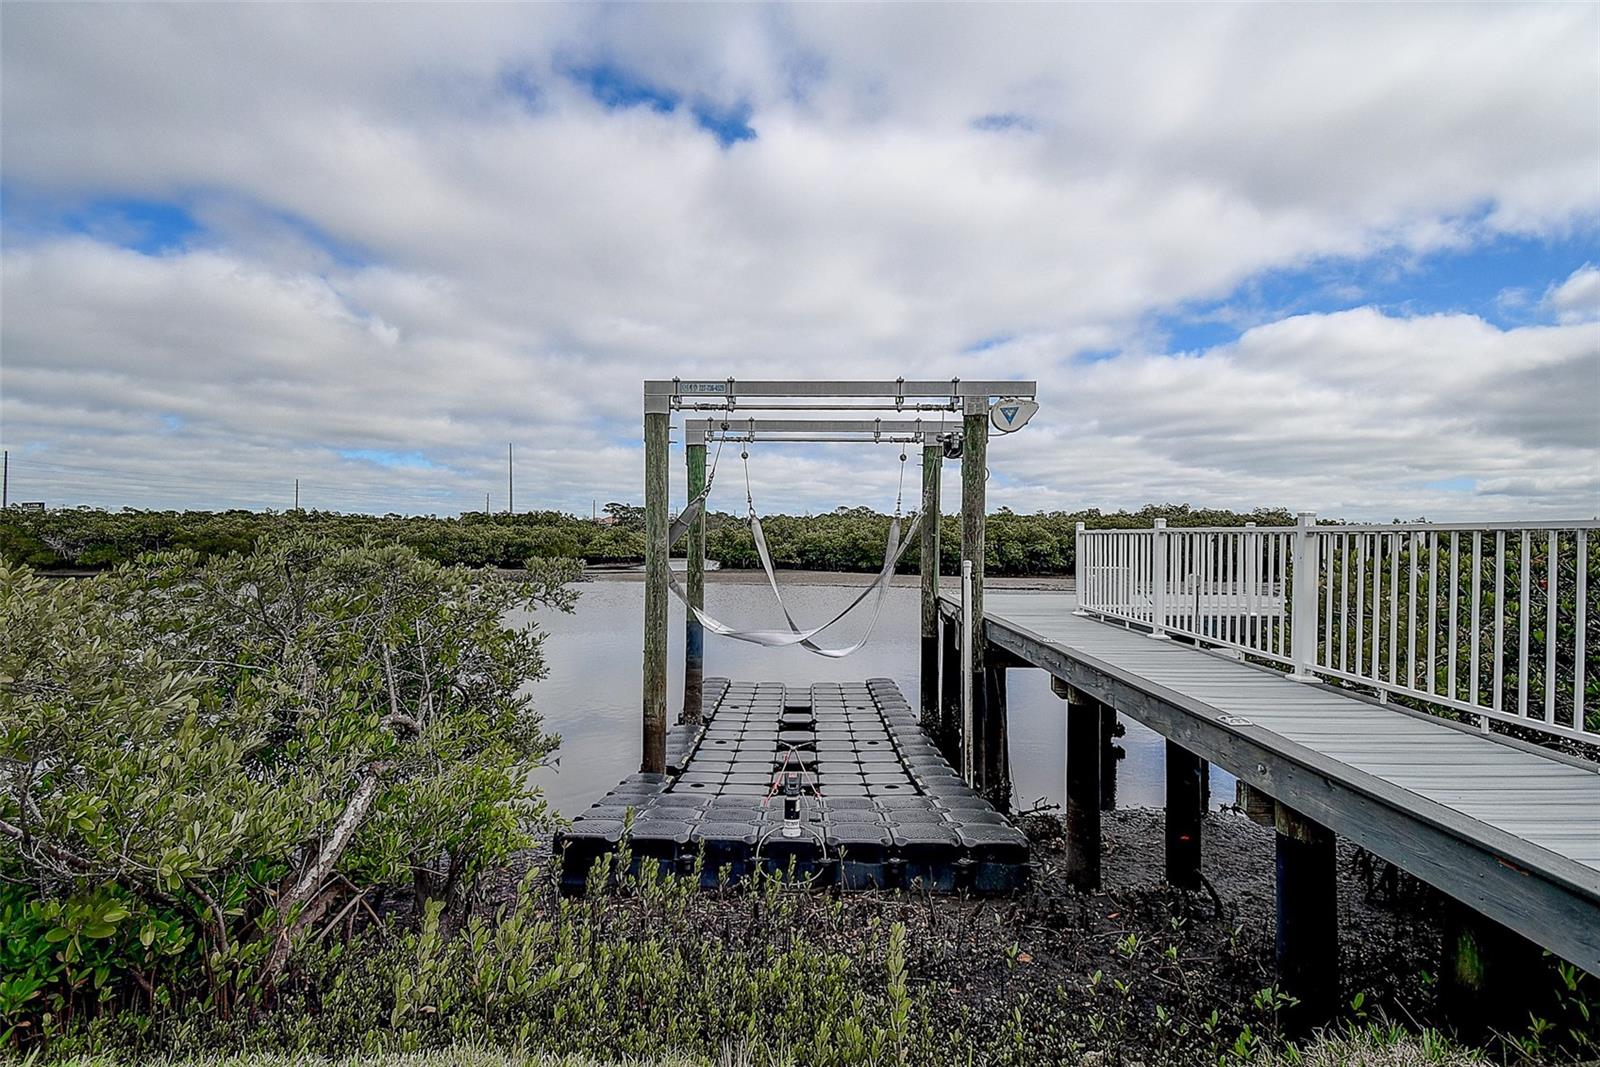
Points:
[[1280, 615], [1433, 612], [1361, 602], [1344, 602], [1522, 641], [1477, 598], [1225, 567], [1411, 615], [1455, 613], [1208, 601], [1499, 618], [1552, 623], [1327, 600], [1394, 607], [1582, 622], [1378, 545]]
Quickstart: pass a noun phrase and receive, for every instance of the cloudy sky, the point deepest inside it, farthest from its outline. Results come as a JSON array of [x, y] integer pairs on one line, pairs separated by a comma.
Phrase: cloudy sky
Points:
[[1338, 258]]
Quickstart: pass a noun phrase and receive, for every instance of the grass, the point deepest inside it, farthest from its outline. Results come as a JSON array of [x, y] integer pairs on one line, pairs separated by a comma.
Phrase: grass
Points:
[[1356, 1046], [1374, 1045], [458, 1056]]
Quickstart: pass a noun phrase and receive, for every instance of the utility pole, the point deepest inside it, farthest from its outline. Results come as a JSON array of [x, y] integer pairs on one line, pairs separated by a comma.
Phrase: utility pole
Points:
[[297, 494], [511, 499], [486, 503], [5, 481]]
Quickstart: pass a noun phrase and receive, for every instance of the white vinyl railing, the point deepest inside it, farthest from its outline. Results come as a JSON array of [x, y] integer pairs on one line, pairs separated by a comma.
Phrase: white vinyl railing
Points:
[[1490, 619]]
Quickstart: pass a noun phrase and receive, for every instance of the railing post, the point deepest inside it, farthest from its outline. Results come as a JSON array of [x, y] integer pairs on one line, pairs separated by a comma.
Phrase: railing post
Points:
[[1080, 572], [1303, 597], [1158, 580]]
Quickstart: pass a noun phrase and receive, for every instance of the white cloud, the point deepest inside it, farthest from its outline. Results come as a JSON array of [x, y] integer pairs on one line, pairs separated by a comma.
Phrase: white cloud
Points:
[[1578, 298], [505, 270]]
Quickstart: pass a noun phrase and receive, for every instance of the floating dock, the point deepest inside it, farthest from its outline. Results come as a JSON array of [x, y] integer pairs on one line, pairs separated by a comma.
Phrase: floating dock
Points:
[[878, 806]]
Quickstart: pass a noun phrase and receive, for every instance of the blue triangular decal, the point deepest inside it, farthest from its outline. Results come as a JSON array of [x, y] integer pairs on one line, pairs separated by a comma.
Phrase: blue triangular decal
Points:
[[1009, 413]]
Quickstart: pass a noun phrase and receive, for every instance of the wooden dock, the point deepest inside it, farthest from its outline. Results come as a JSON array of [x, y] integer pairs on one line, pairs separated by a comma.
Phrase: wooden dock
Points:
[[1485, 622], [1507, 828]]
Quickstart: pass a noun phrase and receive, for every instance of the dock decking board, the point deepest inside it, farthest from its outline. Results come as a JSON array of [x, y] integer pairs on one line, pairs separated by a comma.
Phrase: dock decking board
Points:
[[1508, 831]]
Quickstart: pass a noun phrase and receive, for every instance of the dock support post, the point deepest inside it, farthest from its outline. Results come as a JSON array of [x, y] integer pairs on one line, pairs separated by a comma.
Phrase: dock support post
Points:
[[948, 735], [932, 464], [656, 426], [1308, 918], [694, 634], [1110, 753], [994, 774], [1185, 810], [974, 478], [1490, 976], [1083, 786]]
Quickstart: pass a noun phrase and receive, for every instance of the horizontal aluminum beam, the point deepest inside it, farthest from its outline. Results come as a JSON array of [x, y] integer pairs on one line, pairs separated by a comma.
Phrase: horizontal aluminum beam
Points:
[[736, 428], [665, 394]]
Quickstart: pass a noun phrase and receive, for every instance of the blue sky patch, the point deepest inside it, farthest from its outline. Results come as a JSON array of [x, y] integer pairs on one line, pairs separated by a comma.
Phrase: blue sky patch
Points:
[[1502, 280], [1096, 355], [380, 457], [618, 89], [154, 227], [1004, 120], [986, 343], [519, 82], [149, 227], [727, 125]]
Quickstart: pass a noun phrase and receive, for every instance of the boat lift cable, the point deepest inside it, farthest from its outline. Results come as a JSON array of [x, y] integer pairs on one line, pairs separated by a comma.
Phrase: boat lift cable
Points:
[[895, 547]]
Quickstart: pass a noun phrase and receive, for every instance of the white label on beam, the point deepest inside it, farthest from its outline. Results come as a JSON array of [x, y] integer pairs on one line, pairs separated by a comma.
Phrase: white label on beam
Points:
[[1011, 414], [703, 388]]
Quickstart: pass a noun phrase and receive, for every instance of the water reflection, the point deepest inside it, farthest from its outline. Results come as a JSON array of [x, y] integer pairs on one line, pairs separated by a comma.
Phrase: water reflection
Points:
[[591, 697]]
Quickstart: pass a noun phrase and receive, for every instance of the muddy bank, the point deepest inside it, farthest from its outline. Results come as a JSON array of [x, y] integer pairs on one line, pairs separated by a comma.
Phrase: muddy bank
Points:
[[1137, 971]]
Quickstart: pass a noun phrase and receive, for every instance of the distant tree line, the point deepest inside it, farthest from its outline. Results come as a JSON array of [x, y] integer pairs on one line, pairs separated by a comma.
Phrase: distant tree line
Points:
[[849, 539]]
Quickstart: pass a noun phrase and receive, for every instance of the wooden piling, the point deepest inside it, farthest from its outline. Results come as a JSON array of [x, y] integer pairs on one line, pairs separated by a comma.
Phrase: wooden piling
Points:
[[932, 465], [1083, 787], [1185, 810], [656, 426], [1308, 919], [948, 735], [994, 755], [1110, 754], [1257, 806], [974, 478], [974, 489], [694, 634], [1491, 978]]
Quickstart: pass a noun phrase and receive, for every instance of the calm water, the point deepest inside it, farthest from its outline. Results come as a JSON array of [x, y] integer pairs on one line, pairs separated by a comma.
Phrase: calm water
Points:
[[591, 697]]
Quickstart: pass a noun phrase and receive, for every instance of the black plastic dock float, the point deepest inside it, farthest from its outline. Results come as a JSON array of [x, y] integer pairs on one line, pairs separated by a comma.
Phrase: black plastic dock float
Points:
[[871, 803]]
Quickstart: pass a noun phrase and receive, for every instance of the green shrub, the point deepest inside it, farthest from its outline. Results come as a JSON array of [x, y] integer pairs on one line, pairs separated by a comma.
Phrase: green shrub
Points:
[[203, 762]]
